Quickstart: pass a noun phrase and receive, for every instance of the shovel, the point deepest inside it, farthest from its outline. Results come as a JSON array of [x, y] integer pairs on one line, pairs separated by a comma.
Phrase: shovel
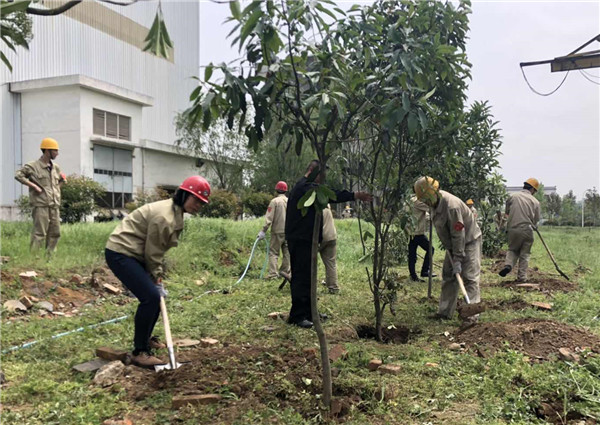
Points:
[[172, 362], [549, 253], [468, 310]]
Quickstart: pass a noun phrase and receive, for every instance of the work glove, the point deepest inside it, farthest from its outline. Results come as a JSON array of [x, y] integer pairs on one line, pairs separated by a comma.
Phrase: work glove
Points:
[[261, 235], [456, 267], [162, 290]]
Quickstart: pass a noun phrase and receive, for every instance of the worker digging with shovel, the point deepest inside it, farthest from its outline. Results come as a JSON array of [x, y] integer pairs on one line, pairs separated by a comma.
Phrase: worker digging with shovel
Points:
[[460, 235], [135, 252]]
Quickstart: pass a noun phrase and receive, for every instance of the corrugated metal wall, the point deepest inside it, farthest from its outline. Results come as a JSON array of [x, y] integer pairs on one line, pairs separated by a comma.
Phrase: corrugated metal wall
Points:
[[100, 44]]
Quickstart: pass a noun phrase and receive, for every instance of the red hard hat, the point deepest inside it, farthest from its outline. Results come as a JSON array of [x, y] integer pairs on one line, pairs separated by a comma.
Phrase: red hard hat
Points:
[[281, 187], [198, 186]]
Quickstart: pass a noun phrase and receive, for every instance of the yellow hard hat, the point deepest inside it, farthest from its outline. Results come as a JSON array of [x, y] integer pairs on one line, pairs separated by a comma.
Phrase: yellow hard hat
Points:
[[49, 143], [469, 202], [426, 189], [533, 183]]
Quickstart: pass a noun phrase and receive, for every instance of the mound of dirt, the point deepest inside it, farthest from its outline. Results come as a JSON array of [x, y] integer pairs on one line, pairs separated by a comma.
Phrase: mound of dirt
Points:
[[247, 377], [513, 304], [539, 339], [541, 283]]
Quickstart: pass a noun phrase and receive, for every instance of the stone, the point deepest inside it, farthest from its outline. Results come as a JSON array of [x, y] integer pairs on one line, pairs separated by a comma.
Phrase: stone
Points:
[[14, 305], [278, 315], [110, 288], [45, 305], [541, 306], [186, 342], [26, 301], [4, 259], [374, 364], [209, 342], [454, 347], [337, 352], [195, 400], [28, 274], [109, 373], [91, 366], [390, 369], [117, 422], [568, 356], [76, 278], [430, 364], [110, 354]]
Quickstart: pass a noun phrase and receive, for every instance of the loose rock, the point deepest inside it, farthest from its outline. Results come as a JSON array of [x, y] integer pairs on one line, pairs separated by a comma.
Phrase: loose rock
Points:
[[568, 356], [45, 305], [337, 352], [374, 364], [109, 374], [91, 366], [541, 305], [390, 369], [26, 301], [76, 279], [110, 288], [209, 342], [454, 347], [14, 305], [28, 274], [186, 342]]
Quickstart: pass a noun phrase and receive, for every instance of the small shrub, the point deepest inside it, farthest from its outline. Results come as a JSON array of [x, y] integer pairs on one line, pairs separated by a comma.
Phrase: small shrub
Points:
[[143, 197], [257, 203], [24, 206], [223, 204], [78, 198]]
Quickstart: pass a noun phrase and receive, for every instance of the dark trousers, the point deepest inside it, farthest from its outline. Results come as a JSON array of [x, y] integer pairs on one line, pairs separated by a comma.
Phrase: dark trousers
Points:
[[423, 242], [135, 277], [300, 264]]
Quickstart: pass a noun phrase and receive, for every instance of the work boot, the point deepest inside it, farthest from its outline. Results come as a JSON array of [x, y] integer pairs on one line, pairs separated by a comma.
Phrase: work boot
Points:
[[306, 324], [334, 290], [145, 359], [506, 270], [438, 316], [155, 344], [426, 274], [415, 278]]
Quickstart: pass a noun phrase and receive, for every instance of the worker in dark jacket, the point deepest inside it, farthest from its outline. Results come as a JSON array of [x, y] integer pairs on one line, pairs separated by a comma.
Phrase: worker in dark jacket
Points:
[[298, 233]]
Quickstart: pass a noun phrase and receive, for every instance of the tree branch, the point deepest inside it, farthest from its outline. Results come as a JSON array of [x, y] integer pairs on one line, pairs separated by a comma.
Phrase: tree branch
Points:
[[53, 12]]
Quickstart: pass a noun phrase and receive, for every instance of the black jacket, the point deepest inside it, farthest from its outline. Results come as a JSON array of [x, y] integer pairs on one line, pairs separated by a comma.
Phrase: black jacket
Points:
[[298, 227]]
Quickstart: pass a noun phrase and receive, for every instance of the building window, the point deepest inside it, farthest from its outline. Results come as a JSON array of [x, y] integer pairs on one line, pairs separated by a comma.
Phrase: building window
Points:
[[112, 125], [113, 169]]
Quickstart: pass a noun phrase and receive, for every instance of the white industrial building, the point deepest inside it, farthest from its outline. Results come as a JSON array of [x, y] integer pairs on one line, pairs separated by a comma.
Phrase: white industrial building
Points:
[[86, 82]]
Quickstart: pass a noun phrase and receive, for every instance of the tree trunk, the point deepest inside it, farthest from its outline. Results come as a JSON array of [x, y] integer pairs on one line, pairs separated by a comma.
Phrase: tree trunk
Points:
[[327, 384], [378, 312]]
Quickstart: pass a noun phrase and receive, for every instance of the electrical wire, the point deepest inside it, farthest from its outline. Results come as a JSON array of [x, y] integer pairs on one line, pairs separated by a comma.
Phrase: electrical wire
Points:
[[544, 94], [589, 79], [589, 74]]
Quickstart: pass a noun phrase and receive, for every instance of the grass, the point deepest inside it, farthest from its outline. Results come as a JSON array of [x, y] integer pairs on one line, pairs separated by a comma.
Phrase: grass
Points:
[[464, 389]]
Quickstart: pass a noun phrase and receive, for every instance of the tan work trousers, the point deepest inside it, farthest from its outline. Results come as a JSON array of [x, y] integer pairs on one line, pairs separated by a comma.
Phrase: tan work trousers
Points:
[[46, 228], [520, 241], [471, 267], [328, 251], [277, 244]]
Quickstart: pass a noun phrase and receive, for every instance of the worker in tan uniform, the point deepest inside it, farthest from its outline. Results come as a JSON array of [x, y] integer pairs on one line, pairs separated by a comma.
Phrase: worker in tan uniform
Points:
[[135, 251], [328, 251], [44, 179], [420, 213], [461, 237], [523, 211], [471, 204], [275, 218]]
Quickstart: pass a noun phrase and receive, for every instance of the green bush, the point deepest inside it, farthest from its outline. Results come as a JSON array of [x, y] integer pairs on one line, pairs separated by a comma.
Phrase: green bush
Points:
[[78, 198], [256, 203], [24, 206], [143, 197], [223, 204]]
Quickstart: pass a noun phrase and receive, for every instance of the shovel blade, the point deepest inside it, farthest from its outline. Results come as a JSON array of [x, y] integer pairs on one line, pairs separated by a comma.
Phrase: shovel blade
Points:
[[167, 366], [468, 310]]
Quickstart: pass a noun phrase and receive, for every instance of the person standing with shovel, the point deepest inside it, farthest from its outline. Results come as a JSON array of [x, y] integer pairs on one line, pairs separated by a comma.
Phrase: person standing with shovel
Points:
[[461, 237], [523, 211], [135, 251]]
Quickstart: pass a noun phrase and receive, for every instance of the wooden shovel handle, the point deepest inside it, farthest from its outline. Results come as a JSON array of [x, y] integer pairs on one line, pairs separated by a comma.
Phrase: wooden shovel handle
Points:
[[167, 326], [461, 285]]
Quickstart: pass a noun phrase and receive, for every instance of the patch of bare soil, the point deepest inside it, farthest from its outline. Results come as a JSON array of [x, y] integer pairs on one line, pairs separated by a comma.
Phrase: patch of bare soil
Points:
[[512, 304], [538, 339], [247, 377], [390, 334], [553, 411]]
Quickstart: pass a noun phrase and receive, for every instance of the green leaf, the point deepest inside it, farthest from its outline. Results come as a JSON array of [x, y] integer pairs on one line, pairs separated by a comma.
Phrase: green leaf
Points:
[[412, 123], [367, 235], [299, 141], [250, 25], [208, 71], [304, 199], [405, 101], [326, 11], [234, 7], [311, 199], [195, 93], [6, 61], [17, 6], [328, 192]]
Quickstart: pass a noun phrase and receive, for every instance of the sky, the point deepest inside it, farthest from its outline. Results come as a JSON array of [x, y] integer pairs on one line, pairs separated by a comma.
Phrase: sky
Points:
[[555, 138]]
